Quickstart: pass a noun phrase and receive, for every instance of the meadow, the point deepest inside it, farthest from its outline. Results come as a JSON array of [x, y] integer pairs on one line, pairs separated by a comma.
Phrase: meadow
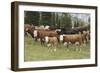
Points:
[[34, 51]]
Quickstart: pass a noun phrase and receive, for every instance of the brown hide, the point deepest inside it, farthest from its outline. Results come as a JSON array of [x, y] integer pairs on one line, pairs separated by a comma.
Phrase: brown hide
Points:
[[27, 27], [86, 35], [73, 38], [43, 33], [53, 40]]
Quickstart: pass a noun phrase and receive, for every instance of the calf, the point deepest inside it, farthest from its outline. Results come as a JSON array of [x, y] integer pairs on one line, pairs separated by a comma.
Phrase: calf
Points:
[[52, 42]]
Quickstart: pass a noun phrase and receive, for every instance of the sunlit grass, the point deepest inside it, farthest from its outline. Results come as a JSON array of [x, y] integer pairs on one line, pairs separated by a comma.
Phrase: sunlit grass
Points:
[[34, 51]]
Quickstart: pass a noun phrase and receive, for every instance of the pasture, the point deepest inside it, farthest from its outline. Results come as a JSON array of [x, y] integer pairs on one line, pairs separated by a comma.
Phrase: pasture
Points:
[[34, 51]]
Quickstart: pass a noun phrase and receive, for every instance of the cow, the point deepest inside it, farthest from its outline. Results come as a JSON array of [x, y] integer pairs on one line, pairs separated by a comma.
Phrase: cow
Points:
[[73, 38], [81, 28], [51, 42], [29, 29], [74, 30], [76, 39], [41, 34], [86, 35], [26, 28], [67, 31]]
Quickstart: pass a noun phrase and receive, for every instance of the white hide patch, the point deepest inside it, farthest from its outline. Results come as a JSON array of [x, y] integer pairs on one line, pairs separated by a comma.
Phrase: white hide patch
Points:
[[65, 43], [69, 43], [46, 39], [58, 30], [35, 33], [39, 39], [77, 43], [48, 45], [47, 27], [61, 37]]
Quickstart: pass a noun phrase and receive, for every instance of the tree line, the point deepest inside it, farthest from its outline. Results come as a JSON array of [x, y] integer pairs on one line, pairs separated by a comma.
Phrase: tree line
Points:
[[53, 19]]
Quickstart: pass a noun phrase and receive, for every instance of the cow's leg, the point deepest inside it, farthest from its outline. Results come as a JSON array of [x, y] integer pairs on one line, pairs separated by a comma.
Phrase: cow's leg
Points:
[[25, 33], [67, 46], [42, 41], [48, 46], [80, 45], [55, 47], [36, 39], [87, 38]]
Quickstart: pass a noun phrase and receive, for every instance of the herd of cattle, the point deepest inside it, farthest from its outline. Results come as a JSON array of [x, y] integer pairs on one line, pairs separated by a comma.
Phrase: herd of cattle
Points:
[[53, 36]]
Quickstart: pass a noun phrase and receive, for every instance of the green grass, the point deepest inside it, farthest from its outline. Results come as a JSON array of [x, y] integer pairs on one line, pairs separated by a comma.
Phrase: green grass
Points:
[[34, 51]]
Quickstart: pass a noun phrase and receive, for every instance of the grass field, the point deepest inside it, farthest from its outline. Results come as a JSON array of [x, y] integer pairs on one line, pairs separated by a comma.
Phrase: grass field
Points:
[[34, 51]]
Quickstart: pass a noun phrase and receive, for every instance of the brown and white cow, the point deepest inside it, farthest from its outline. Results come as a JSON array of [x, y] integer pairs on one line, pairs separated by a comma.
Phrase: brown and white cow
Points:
[[29, 29], [72, 38], [41, 34]]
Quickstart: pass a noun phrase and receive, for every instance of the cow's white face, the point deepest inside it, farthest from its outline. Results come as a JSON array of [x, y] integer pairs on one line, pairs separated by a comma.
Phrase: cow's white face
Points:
[[35, 33], [61, 38], [46, 39]]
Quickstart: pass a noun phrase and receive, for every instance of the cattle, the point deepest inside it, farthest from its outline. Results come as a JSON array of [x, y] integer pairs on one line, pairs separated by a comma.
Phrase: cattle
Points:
[[26, 28], [51, 42], [81, 28], [32, 30], [64, 31], [41, 34], [29, 29], [40, 27], [71, 38], [67, 31], [72, 35], [47, 27], [86, 35], [74, 30]]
